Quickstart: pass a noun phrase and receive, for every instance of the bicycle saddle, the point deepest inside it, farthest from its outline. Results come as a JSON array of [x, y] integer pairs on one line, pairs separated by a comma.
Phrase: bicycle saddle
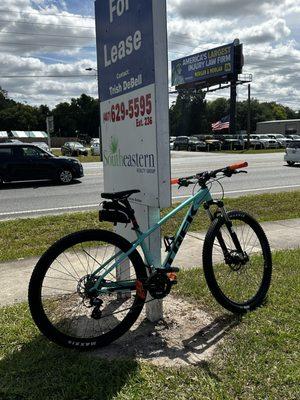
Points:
[[119, 195]]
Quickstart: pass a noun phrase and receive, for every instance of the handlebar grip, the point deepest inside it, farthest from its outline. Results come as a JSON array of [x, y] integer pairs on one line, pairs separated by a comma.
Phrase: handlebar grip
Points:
[[175, 181], [238, 165]]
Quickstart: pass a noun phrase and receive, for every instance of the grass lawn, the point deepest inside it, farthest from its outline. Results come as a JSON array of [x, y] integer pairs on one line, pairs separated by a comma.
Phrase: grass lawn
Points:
[[252, 151], [31, 237], [258, 358]]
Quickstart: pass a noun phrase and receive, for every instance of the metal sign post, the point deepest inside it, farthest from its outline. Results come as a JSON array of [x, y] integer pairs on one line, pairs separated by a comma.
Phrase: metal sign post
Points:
[[133, 93]]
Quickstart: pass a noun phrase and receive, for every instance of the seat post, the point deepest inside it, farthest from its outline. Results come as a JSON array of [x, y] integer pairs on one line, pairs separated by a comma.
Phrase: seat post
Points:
[[131, 214]]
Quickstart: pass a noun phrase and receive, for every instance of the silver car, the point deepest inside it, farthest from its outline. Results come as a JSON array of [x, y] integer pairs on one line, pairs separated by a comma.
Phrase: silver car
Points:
[[292, 152], [95, 149]]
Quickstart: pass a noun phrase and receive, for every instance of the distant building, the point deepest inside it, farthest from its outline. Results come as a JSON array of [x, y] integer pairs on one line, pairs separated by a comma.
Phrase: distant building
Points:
[[285, 126]]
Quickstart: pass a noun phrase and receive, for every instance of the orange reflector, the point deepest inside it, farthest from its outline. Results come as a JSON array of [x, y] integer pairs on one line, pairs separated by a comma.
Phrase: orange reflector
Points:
[[140, 290], [172, 276]]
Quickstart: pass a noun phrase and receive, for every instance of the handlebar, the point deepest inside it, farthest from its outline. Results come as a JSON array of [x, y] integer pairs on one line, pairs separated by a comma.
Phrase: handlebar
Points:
[[203, 177]]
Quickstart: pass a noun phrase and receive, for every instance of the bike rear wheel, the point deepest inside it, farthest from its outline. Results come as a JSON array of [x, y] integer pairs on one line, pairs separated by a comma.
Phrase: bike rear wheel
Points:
[[238, 281], [58, 291]]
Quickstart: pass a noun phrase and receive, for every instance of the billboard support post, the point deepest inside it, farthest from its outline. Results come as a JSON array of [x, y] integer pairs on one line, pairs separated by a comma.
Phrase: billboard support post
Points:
[[233, 106], [249, 117]]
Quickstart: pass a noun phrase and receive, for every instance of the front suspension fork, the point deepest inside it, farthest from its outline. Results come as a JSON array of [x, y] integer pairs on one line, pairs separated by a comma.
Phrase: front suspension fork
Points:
[[228, 223]]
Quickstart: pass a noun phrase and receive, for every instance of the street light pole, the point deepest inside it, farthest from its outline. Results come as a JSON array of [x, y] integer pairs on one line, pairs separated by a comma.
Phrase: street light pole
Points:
[[249, 118], [100, 135]]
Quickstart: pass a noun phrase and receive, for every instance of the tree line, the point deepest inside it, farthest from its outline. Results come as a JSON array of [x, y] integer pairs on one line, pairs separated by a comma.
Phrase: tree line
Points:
[[190, 114]]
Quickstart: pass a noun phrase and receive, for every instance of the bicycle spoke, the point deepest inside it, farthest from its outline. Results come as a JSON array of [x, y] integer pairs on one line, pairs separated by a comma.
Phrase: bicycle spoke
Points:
[[64, 296]]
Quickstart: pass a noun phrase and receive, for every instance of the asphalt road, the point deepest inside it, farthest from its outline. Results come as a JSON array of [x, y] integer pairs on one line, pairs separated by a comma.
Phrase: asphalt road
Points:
[[266, 173]]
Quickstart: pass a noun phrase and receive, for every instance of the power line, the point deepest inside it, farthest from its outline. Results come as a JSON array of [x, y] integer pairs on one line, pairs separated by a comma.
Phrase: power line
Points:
[[46, 45], [46, 34], [46, 76], [41, 13], [40, 23]]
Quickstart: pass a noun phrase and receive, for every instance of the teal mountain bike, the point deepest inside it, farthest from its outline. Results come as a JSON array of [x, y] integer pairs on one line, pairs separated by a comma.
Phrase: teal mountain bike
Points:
[[89, 287]]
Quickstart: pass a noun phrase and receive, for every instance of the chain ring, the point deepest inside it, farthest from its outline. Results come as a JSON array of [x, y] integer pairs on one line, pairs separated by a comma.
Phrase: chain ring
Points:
[[158, 285]]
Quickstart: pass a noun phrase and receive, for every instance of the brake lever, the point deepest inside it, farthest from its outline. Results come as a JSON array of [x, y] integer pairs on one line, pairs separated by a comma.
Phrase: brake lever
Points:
[[183, 183]]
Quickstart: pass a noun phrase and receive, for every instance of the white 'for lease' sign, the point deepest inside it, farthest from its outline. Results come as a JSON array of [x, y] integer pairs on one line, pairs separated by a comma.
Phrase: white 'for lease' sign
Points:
[[133, 87]]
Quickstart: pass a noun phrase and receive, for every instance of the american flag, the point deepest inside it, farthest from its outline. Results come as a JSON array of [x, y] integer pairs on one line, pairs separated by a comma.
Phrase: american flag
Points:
[[222, 124]]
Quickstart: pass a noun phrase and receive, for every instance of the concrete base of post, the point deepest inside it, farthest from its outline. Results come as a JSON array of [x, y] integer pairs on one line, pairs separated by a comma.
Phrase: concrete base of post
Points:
[[154, 309]]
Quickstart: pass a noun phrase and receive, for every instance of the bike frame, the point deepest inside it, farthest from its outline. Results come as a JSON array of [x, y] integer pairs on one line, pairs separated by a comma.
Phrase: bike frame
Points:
[[195, 201]]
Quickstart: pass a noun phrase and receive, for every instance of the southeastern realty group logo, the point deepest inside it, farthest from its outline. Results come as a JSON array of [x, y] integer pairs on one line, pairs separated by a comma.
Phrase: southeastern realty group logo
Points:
[[144, 163]]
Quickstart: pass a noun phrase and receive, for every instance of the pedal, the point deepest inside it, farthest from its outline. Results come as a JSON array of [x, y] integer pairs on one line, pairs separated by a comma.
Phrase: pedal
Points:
[[167, 270], [172, 278], [172, 269]]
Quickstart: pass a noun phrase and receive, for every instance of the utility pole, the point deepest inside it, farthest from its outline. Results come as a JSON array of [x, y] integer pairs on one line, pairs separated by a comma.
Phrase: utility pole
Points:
[[99, 131], [249, 117], [50, 128], [233, 106]]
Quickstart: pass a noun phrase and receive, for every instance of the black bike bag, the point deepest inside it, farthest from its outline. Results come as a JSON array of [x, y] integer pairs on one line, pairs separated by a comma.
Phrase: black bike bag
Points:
[[111, 213]]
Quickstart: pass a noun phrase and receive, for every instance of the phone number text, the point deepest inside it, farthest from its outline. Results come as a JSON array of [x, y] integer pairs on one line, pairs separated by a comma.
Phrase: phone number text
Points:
[[134, 109]]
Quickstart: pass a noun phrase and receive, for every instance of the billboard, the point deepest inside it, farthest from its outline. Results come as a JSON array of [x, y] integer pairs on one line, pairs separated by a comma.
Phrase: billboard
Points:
[[133, 92], [205, 66]]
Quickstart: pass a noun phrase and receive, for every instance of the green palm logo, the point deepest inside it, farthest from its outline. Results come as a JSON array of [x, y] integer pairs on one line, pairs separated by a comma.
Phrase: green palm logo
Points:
[[114, 145]]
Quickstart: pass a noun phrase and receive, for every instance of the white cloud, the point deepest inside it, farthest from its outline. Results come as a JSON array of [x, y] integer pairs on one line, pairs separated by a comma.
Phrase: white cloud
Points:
[[192, 9], [269, 30]]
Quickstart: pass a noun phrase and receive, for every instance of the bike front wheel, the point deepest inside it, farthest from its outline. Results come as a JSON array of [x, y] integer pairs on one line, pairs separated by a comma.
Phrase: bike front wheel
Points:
[[60, 297], [239, 279]]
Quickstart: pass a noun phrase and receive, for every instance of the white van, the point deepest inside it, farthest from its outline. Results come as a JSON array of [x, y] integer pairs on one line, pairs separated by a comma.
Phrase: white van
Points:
[[292, 152]]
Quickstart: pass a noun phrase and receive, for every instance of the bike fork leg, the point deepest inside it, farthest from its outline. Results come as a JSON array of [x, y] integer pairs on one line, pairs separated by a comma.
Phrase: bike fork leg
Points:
[[231, 231]]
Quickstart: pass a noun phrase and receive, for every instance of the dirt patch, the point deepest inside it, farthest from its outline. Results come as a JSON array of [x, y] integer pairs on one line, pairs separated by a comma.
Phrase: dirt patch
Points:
[[186, 336]]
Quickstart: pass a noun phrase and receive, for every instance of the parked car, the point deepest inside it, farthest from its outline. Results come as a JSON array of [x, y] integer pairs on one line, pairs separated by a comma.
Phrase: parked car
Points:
[[282, 140], [292, 152], [210, 142], [195, 144], [95, 149], [266, 142], [73, 149], [293, 137], [43, 146], [181, 143], [229, 142], [23, 162], [172, 139], [254, 143], [94, 140]]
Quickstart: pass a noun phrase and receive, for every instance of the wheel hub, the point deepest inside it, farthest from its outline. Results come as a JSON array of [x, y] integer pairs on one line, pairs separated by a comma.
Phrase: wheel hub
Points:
[[236, 260], [85, 284]]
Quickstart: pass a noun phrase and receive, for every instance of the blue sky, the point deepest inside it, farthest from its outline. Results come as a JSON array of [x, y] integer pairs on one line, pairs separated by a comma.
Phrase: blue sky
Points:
[[54, 37]]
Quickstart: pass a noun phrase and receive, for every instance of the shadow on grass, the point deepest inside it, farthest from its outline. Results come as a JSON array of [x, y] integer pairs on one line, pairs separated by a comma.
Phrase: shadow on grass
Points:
[[165, 344], [42, 370]]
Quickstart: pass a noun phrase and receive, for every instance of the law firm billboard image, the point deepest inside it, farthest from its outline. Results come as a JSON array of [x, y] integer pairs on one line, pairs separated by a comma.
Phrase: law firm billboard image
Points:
[[204, 66]]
